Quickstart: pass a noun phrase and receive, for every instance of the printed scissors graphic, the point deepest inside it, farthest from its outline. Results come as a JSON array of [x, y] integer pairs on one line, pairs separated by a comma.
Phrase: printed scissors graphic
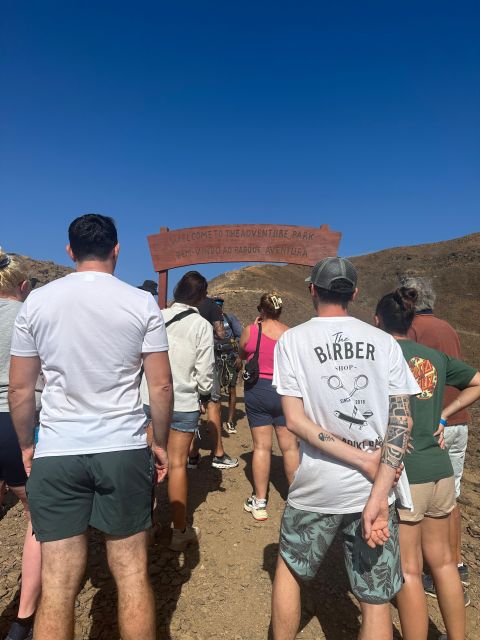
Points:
[[359, 383]]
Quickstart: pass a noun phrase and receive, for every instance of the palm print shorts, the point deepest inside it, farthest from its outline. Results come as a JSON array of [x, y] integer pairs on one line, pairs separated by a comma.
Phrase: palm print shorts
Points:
[[375, 574]]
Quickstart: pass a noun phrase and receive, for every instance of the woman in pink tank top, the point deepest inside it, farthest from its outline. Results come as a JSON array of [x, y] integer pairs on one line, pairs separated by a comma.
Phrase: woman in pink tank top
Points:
[[263, 405]]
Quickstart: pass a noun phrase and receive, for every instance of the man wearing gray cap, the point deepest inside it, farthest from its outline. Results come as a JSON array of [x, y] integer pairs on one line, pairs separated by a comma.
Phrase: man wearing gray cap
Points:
[[345, 389]]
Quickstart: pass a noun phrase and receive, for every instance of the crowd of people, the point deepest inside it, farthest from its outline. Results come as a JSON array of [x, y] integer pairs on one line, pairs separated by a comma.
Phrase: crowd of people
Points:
[[372, 438]]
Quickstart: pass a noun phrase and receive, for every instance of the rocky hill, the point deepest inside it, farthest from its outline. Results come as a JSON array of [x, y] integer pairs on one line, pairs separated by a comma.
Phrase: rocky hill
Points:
[[453, 265], [45, 270]]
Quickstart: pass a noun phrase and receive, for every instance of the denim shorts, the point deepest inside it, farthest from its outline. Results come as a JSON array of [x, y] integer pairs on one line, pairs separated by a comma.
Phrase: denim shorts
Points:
[[263, 405], [186, 421]]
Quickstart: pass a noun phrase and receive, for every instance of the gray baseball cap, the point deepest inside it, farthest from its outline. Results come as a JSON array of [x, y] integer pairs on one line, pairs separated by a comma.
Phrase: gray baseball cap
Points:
[[326, 272]]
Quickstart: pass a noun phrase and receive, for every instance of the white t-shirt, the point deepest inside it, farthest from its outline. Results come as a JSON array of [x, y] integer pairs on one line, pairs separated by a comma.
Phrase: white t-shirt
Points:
[[191, 358], [89, 330], [344, 370]]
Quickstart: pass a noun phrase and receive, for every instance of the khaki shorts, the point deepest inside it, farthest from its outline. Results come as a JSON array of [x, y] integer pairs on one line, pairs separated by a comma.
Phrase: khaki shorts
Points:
[[431, 499]]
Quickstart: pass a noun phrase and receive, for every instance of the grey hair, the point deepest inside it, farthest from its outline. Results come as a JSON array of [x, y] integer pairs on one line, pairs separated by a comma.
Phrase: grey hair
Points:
[[426, 294]]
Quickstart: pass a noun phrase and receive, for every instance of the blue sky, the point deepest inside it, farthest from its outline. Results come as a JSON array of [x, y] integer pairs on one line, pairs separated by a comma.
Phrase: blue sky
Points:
[[361, 115]]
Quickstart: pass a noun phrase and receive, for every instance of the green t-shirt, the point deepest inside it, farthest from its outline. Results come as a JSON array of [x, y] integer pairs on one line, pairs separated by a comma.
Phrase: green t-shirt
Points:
[[432, 370]]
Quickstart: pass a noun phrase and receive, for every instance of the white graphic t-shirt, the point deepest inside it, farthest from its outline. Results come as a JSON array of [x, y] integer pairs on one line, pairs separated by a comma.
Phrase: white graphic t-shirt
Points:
[[344, 370]]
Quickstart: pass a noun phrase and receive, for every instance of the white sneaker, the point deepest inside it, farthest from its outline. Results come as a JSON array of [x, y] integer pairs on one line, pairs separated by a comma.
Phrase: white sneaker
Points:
[[231, 427], [258, 508], [181, 539]]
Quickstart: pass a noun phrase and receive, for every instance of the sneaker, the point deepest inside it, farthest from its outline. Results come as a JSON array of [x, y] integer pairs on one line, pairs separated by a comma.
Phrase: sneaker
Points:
[[193, 461], [224, 462], [20, 632], [258, 508], [231, 427], [181, 539], [464, 573]]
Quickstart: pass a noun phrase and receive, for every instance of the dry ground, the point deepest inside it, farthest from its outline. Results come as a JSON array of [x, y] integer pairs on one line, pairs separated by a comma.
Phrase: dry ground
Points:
[[222, 589]]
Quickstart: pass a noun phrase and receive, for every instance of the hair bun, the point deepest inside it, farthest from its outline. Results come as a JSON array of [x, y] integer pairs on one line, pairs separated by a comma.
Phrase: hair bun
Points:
[[409, 293], [406, 297]]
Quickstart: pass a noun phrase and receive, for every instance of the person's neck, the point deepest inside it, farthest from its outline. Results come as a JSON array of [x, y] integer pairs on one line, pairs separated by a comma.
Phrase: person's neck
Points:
[[102, 266], [11, 296], [399, 336], [331, 311]]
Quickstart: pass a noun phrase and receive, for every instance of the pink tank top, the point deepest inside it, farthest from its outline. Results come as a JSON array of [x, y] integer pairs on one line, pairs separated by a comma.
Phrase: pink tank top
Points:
[[265, 355]]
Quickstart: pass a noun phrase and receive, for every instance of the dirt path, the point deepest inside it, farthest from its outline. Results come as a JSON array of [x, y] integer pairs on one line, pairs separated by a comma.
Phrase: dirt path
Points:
[[222, 589]]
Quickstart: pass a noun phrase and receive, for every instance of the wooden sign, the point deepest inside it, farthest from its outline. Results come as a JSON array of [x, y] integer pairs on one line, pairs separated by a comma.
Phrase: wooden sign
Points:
[[239, 243]]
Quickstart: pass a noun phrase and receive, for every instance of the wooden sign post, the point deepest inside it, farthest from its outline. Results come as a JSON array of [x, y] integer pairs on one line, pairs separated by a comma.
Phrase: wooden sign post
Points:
[[238, 243]]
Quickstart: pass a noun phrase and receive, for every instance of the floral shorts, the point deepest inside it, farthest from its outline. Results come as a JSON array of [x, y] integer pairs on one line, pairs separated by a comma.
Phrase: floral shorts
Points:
[[375, 574]]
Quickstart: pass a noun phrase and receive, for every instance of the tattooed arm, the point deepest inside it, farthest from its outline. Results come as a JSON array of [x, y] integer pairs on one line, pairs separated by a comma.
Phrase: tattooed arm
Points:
[[304, 428], [375, 514]]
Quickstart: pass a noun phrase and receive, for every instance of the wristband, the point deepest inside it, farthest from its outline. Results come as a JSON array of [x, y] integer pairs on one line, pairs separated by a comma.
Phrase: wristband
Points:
[[443, 422]]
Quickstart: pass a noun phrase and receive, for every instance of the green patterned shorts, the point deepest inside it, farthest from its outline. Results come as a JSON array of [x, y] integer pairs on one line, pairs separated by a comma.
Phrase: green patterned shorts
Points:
[[375, 574]]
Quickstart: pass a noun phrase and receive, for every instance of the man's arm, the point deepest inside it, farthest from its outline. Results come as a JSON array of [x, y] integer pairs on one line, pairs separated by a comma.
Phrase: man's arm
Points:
[[160, 390], [24, 372], [304, 428], [375, 514]]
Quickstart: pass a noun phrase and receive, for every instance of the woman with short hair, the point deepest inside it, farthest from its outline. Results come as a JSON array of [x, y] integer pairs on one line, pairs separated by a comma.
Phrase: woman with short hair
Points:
[[263, 404]]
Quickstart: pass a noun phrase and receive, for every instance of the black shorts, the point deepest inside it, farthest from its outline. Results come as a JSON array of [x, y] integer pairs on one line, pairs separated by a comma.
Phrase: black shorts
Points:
[[11, 464]]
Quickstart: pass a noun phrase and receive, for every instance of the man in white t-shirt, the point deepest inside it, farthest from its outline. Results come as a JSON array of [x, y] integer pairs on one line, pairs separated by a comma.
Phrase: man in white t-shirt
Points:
[[345, 390], [90, 332]]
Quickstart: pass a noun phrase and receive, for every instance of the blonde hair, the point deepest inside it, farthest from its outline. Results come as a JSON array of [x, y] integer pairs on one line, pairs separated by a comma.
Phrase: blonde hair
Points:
[[271, 305], [13, 271]]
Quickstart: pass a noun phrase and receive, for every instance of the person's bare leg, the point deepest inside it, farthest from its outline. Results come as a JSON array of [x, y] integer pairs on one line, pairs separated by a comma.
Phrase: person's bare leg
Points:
[[127, 559], [31, 564], [178, 448], [376, 622], [285, 603], [214, 412], [63, 567], [232, 403], [456, 535], [262, 455], [288, 444], [411, 600], [437, 553]]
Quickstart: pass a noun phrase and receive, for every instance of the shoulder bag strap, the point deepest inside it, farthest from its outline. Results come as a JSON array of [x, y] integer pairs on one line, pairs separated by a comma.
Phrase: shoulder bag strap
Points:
[[179, 316], [257, 348]]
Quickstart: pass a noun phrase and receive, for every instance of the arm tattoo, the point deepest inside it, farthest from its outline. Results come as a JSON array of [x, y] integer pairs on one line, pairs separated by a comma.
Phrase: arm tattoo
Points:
[[325, 437], [398, 434]]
